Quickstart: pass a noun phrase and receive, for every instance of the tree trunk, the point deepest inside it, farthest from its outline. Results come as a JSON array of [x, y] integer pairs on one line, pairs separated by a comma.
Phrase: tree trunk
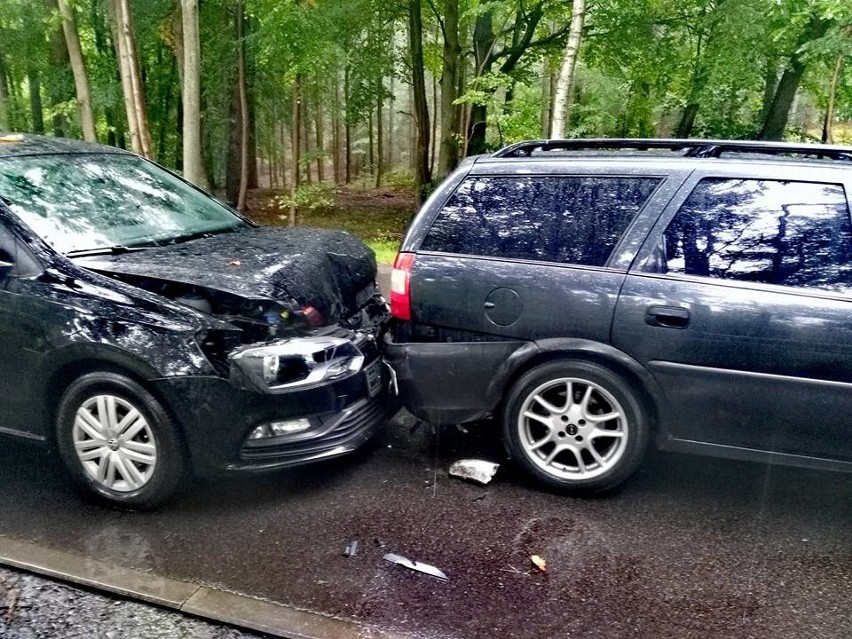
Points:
[[696, 90], [370, 136], [380, 137], [296, 137], [193, 162], [421, 110], [78, 68], [36, 107], [483, 43], [433, 138], [448, 155], [391, 133], [827, 137], [5, 125], [318, 128], [566, 74], [232, 162], [347, 126], [770, 84], [306, 137], [335, 130], [60, 86], [131, 80], [779, 110], [244, 117], [687, 121]]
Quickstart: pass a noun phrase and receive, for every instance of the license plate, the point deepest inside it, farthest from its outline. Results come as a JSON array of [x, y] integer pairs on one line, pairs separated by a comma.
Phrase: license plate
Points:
[[373, 373]]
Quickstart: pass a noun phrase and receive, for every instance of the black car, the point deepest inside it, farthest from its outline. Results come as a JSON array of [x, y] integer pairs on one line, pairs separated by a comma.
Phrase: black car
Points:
[[146, 329], [594, 293]]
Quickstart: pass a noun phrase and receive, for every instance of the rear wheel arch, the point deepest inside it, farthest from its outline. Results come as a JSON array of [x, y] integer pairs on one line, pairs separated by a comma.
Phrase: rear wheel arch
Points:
[[576, 350]]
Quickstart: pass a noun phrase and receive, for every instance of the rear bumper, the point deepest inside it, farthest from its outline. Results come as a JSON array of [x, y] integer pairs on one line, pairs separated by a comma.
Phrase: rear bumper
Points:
[[449, 382]]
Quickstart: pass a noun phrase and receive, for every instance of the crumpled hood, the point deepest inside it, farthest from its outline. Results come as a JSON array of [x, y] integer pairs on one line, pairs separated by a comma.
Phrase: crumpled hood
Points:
[[323, 269]]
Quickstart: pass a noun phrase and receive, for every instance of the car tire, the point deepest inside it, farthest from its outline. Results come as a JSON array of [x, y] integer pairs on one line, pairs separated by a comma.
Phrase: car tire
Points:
[[591, 443], [118, 442]]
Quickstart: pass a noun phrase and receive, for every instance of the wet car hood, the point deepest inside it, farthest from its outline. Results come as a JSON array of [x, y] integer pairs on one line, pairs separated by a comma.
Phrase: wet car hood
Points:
[[331, 271]]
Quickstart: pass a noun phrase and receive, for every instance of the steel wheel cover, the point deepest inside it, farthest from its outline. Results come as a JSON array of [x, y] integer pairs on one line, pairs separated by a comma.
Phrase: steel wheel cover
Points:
[[114, 443], [572, 429]]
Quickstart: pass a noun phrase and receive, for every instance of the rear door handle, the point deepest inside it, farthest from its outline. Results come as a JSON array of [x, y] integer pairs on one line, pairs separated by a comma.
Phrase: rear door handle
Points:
[[489, 305], [667, 316]]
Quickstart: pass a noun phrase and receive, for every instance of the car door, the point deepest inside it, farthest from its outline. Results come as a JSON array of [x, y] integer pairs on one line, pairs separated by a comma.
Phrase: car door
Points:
[[740, 305], [20, 341], [528, 257]]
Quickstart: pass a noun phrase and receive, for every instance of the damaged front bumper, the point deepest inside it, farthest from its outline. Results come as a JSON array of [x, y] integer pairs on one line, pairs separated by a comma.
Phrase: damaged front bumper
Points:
[[285, 403]]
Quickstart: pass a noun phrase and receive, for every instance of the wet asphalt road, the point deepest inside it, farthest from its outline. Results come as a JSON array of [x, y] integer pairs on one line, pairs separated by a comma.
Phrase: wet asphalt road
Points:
[[691, 547]]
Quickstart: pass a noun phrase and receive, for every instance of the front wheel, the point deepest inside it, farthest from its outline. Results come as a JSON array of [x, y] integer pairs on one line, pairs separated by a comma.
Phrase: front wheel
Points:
[[575, 426], [118, 442]]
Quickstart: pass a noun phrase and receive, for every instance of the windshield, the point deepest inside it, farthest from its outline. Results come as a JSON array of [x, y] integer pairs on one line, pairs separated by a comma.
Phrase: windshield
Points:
[[97, 201]]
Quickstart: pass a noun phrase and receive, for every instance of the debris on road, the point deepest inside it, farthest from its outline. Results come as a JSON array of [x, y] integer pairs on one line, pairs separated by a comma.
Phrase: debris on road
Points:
[[426, 569], [539, 562], [351, 549], [476, 470]]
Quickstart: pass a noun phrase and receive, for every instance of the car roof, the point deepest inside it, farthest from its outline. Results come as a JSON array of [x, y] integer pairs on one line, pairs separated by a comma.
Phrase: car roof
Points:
[[21, 144]]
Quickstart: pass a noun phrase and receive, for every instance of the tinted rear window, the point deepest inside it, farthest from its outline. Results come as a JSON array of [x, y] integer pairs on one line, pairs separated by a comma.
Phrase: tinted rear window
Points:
[[788, 233], [571, 219]]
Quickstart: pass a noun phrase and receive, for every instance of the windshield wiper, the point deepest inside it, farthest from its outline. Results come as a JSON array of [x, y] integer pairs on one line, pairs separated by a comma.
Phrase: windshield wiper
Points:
[[200, 235], [118, 249]]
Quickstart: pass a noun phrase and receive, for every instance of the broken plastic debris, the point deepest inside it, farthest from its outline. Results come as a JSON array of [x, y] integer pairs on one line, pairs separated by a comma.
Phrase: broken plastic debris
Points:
[[539, 562], [426, 569], [476, 470], [351, 549]]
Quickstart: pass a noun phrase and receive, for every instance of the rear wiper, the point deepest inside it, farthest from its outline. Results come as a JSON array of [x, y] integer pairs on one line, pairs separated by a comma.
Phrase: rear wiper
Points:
[[118, 249]]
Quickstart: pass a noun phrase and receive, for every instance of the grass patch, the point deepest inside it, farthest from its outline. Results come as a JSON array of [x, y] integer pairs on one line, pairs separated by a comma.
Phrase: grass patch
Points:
[[385, 250]]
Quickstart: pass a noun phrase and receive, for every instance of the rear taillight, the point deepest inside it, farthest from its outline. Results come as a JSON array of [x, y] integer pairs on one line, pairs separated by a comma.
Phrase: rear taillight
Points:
[[400, 293]]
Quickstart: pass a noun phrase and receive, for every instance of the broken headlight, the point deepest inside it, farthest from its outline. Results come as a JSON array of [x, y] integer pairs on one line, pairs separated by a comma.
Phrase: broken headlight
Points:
[[296, 362]]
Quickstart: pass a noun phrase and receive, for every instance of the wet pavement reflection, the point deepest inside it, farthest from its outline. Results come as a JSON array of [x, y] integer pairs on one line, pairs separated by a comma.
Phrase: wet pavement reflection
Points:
[[690, 547]]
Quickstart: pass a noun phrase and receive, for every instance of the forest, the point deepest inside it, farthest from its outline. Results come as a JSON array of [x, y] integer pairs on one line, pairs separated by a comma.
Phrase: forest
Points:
[[296, 94]]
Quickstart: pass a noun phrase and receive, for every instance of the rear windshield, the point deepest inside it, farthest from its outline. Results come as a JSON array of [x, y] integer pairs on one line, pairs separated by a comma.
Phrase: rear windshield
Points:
[[569, 219], [91, 201]]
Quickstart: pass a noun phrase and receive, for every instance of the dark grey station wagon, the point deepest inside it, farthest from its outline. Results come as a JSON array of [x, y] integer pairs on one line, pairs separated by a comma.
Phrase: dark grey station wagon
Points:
[[595, 294]]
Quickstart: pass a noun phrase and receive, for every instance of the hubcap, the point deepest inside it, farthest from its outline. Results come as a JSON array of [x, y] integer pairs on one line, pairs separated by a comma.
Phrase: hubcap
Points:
[[115, 443], [572, 428]]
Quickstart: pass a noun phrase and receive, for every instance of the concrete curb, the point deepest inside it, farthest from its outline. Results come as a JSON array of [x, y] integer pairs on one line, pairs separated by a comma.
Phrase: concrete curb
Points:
[[202, 601]]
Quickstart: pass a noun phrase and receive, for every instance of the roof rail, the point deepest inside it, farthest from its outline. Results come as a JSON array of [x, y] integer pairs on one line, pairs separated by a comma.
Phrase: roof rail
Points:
[[692, 148]]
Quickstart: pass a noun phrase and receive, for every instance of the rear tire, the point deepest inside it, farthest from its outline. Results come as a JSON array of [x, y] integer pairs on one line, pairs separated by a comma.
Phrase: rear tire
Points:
[[118, 442], [575, 426]]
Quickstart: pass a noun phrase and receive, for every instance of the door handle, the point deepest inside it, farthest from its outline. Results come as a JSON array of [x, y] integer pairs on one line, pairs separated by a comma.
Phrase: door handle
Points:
[[667, 316], [489, 305]]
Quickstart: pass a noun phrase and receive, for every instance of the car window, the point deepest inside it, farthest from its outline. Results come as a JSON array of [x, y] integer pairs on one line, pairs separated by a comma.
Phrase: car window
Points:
[[79, 202], [570, 219], [776, 232]]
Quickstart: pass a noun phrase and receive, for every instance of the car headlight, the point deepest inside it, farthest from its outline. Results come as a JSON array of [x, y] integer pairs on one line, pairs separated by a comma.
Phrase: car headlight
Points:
[[300, 361]]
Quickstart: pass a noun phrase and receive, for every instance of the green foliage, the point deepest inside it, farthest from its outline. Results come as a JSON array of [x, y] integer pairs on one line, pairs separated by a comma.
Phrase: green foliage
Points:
[[307, 197]]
